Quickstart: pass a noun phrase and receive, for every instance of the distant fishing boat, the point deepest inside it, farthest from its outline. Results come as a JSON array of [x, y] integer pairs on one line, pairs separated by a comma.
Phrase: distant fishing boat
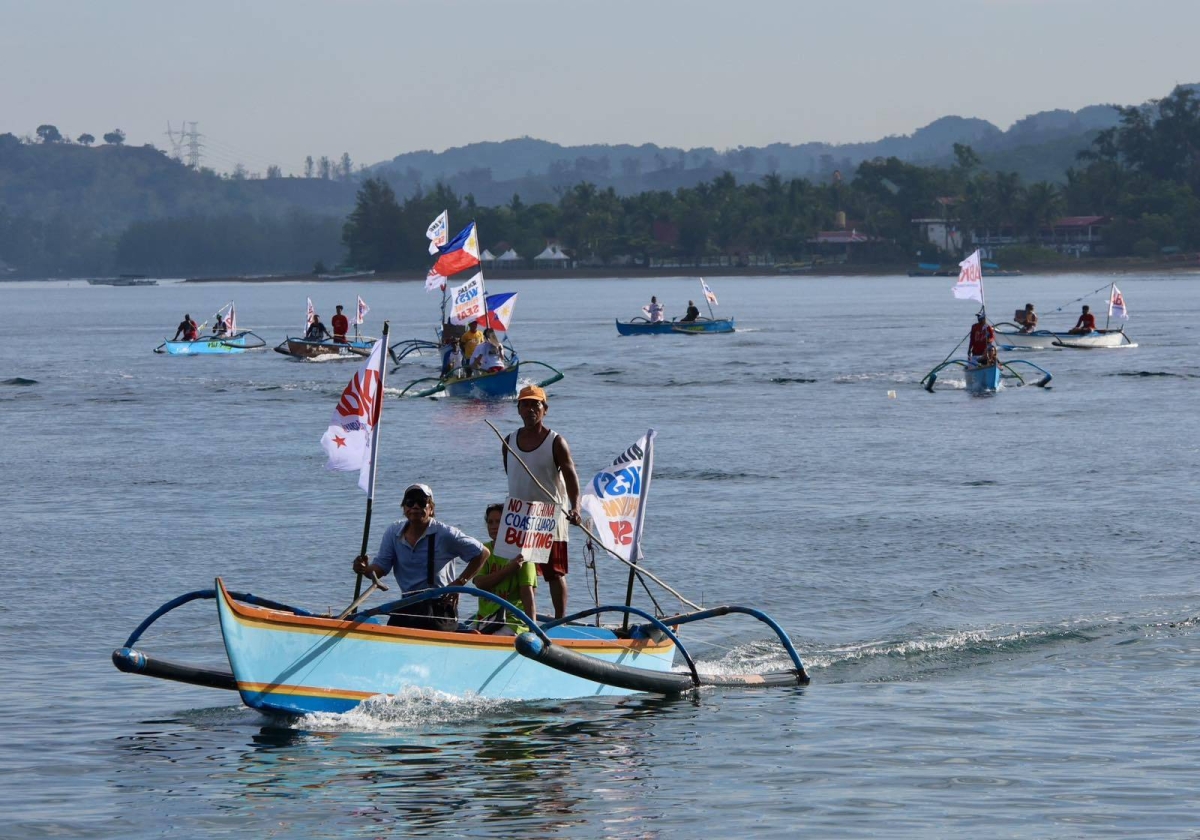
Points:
[[124, 280], [230, 340], [983, 372], [319, 345], [696, 325], [1012, 338], [467, 303]]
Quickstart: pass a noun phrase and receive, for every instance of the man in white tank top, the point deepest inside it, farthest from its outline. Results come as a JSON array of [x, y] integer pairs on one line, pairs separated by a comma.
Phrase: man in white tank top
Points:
[[548, 457]]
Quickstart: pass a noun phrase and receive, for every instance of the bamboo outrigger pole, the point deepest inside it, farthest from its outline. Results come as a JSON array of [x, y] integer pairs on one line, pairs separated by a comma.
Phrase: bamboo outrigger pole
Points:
[[378, 409]]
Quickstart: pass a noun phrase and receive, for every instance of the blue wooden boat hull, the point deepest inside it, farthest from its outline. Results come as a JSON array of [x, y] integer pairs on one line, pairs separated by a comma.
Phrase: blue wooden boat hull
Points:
[[982, 380], [704, 325], [211, 345], [295, 664], [485, 386]]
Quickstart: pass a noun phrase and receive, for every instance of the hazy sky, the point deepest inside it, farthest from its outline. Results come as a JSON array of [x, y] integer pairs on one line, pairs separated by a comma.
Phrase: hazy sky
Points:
[[270, 81]]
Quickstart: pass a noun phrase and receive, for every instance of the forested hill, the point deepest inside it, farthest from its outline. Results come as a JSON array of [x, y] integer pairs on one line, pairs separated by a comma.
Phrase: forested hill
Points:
[[1039, 147]]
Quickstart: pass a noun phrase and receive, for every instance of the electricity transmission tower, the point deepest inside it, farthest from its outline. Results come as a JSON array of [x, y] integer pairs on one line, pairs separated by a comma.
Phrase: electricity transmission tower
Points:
[[188, 138]]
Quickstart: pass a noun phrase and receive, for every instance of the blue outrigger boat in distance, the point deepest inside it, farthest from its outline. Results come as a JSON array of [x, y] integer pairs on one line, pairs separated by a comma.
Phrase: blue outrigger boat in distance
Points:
[[239, 342], [987, 379], [643, 326]]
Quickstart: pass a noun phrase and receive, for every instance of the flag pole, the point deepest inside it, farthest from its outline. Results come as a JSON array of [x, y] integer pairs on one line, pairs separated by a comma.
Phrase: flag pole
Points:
[[1108, 317], [635, 548], [366, 536]]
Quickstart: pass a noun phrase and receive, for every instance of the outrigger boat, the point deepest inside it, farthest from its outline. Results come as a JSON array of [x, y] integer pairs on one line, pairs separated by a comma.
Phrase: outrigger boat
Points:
[[988, 379], [232, 340], [329, 348], [239, 342], [987, 376], [1010, 337], [644, 326], [641, 325], [303, 348], [287, 660], [470, 303]]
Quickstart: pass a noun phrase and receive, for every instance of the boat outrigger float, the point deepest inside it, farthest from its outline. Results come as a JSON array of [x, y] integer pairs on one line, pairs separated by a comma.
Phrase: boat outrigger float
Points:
[[986, 379]]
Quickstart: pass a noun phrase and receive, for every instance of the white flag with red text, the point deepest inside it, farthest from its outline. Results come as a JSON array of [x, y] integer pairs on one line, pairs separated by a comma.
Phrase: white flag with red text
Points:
[[347, 441], [615, 499], [433, 280], [363, 309], [970, 279], [1116, 305], [232, 321], [708, 293], [467, 302], [312, 313]]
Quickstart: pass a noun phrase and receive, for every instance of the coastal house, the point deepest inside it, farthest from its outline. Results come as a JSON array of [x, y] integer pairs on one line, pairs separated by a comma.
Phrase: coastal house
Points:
[[1075, 235], [839, 245]]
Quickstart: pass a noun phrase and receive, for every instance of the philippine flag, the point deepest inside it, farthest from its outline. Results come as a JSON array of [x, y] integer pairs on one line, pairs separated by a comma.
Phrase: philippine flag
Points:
[[459, 254], [347, 441], [499, 311]]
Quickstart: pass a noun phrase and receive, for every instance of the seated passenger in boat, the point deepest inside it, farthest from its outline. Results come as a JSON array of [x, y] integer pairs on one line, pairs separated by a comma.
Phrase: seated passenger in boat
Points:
[[316, 330], [692, 312], [220, 328], [187, 328], [1085, 324], [654, 310], [489, 355], [1028, 319], [513, 580], [421, 553], [981, 350]]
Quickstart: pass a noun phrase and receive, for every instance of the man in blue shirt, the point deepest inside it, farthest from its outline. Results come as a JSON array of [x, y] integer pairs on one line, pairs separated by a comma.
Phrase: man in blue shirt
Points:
[[420, 552]]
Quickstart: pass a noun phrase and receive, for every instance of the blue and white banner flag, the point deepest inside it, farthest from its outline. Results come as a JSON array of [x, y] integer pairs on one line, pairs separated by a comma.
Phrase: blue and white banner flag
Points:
[[615, 499], [438, 231]]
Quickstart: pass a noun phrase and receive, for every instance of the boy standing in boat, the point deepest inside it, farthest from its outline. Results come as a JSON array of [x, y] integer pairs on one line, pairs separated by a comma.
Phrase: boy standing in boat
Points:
[[420, 551], [655, 311], [1029, 319], [341, 325], [546, 473]]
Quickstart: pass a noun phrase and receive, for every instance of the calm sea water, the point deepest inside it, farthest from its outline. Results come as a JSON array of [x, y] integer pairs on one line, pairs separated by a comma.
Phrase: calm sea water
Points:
[[996, 597]]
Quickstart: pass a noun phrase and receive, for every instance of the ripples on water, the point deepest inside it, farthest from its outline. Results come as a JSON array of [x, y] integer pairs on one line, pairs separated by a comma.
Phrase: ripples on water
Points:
[[996, 598]]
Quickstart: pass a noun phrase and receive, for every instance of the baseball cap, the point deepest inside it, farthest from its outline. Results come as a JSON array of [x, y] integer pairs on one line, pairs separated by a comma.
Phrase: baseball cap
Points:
[[422, 488], [532, 392]]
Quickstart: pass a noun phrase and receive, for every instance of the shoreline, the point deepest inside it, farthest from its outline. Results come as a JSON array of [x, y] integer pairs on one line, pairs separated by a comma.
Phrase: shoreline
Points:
[[1116, 265]]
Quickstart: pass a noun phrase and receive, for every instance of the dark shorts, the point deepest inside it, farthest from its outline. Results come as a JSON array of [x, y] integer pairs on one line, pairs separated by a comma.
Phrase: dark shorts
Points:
[[557, 564], [440, 614]]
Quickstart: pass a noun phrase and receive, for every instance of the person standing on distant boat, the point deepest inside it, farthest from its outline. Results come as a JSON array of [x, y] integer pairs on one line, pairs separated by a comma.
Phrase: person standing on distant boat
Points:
[[692, 312], [220, 328], [546, 456], [1085, 324], [1029, 321], [341, 325], [982, 347], [471, 339], [654, 310], [420, 552], [187, 328], [316, 330]]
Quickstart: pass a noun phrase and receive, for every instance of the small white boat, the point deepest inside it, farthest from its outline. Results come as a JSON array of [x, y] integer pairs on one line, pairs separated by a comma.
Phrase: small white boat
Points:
[[1014, 339]]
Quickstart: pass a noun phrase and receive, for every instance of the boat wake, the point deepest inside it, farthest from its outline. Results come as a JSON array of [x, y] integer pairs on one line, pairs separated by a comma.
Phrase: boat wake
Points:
[[412, 708]]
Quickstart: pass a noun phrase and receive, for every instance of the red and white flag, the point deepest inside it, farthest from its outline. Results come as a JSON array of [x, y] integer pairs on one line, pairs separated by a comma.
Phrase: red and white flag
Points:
[[347, 441], [1116, 305], [232, 322], [970, 279], [433, 280], [438, 231], [708, 293], [312, 313], [363, 309]]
